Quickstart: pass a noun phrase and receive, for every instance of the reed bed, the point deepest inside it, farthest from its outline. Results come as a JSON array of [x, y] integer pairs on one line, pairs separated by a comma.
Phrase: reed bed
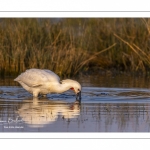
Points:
[[72, 46]]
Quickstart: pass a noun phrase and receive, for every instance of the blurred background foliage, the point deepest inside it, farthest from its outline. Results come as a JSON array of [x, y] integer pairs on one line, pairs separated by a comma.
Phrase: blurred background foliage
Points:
[[70, 46]]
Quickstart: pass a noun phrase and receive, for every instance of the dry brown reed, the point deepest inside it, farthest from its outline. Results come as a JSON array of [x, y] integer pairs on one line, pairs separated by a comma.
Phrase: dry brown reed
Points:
[[70, 46]]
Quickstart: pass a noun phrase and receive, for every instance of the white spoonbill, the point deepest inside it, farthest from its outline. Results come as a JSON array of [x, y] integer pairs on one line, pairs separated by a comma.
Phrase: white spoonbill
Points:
[[42, 81]]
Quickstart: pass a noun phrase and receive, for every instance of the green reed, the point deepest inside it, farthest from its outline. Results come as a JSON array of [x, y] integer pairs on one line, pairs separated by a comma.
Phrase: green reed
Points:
[[71, 46]]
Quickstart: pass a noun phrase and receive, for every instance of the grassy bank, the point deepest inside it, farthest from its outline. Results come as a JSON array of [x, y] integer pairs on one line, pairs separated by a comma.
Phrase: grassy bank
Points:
[[70, 46]]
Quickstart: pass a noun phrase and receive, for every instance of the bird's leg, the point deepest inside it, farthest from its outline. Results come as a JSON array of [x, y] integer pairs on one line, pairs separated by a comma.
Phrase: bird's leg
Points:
[[35, 94]]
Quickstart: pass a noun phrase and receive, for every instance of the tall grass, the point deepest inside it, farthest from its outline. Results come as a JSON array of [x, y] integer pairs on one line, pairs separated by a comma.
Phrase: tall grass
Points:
[[70, 46]]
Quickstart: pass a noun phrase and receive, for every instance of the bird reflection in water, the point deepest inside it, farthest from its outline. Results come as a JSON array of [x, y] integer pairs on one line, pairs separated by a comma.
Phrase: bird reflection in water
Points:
[[40, 112]]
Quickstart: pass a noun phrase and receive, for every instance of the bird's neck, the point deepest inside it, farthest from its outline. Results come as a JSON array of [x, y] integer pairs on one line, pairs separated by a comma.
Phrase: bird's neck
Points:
[[60, 88]]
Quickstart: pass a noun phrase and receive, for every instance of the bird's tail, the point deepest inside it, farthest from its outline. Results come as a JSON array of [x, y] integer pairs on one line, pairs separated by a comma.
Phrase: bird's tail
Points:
[[16, 79]]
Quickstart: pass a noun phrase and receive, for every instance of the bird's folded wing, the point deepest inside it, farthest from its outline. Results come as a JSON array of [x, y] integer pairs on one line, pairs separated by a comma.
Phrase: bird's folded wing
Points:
[[32, 78], [51, 75]]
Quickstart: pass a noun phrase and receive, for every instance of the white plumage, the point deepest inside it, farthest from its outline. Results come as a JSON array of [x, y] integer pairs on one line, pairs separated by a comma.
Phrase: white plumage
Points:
[[42, 81]]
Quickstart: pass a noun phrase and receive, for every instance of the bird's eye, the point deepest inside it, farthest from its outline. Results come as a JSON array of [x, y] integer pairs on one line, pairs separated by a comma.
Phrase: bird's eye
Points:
[[78, 90]]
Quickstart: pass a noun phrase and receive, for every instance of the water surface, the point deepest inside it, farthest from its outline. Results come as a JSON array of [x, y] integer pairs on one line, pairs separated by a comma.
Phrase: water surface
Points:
[[109, 104]]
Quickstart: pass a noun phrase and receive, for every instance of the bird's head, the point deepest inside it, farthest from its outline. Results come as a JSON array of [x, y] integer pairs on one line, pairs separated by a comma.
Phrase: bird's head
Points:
[[75, 86]]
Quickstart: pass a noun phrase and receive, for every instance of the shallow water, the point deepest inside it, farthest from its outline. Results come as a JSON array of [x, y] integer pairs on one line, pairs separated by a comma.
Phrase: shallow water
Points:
[[109, 104]]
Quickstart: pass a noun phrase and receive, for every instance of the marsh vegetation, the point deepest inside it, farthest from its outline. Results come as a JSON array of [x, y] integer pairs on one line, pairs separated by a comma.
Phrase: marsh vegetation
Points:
[[73, 46]]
